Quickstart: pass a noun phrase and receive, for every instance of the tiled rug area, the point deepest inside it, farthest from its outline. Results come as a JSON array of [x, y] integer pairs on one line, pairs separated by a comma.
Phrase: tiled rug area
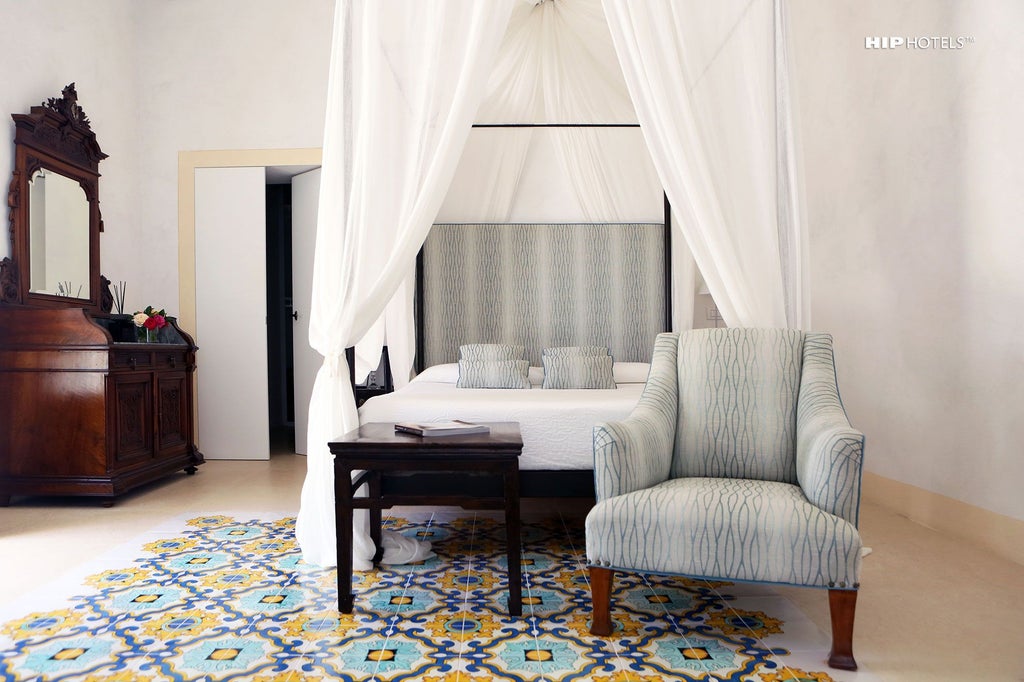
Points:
[[223, 598]]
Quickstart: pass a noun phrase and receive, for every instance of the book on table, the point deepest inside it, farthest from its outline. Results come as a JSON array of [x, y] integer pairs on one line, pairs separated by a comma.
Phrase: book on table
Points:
[[449, 428]]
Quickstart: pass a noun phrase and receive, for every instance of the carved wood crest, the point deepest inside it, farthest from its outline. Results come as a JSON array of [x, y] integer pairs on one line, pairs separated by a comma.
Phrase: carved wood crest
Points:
[[67, 106], [60, 124]]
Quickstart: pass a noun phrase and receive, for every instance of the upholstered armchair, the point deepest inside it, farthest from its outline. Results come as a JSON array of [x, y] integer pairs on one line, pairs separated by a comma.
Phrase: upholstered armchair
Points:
[[738, 463]]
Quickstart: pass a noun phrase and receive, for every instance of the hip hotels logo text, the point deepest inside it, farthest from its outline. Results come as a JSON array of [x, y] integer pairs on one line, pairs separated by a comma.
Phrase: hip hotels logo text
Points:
[[917, 42]]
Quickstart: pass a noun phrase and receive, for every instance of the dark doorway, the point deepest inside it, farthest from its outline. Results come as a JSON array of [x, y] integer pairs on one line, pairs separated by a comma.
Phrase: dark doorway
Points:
[[280, 362]]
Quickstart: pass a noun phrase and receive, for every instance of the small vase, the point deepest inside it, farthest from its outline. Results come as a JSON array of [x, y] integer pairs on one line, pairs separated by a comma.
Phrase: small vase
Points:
[[144, 335]]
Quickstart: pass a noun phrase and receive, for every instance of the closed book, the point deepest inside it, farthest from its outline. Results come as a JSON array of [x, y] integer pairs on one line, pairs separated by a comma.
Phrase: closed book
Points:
[[450, 428]]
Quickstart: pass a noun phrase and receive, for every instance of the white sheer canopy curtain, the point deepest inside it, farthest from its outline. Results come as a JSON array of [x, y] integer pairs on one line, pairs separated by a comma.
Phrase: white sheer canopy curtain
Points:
[[406, 79], [558, 65], [710, 84]]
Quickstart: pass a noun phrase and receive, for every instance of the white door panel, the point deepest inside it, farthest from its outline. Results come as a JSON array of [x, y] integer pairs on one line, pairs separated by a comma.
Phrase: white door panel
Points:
[[231, 313], [305, 195]]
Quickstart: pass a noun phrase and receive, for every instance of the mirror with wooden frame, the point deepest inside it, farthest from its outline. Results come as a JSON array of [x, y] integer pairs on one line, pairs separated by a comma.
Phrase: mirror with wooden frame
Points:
[[54, 210]]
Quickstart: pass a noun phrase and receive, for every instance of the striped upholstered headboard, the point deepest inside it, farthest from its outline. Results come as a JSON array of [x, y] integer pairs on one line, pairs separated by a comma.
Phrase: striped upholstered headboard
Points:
[[543, 285]]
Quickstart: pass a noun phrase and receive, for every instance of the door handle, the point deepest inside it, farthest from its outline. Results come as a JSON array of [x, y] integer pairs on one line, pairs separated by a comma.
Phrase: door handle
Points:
[[295, 314]]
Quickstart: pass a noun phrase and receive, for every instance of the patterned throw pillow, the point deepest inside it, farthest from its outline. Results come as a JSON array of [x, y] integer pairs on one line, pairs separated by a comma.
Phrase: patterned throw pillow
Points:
[[578, 371], [563, 351], [491, 351], [493, 374]]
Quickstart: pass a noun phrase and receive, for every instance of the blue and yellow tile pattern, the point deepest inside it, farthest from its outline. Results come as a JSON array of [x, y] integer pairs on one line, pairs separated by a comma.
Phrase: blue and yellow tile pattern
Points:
[[230, 599]]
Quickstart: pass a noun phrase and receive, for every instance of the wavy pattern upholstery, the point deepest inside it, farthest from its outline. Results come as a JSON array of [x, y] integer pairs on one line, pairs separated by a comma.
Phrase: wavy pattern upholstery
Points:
[[578, 371], [543, 285], [732, 528], [493, 374], [586, 351], [737, 403], [491, 351], [633, 453], [829, 453], [738, 463]]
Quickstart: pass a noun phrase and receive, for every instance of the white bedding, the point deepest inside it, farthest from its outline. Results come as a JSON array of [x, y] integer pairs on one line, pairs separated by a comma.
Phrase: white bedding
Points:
[[557, 425]]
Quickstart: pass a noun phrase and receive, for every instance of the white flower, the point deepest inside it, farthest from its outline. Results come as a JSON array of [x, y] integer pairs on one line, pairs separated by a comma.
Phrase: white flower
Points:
[[140, 319]]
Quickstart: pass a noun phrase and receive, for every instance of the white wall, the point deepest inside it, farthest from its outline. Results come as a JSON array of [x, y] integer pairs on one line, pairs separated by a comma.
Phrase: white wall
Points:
[[914, 176], [43, 47], [231, 74]]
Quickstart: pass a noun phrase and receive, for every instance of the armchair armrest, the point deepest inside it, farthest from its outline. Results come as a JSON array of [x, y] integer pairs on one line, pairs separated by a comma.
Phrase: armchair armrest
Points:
[[636, 452], [830, 452]]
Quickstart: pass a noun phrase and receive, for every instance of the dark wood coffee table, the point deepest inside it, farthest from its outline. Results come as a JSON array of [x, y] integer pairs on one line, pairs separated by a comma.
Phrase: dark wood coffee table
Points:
[[385, 459]]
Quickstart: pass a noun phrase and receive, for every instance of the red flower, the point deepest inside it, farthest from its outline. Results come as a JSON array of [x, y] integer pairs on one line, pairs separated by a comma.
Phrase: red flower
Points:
[[154, 322]]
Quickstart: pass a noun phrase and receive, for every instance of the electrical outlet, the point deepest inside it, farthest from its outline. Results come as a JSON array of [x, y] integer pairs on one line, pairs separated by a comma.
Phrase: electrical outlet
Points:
[[712, 313]]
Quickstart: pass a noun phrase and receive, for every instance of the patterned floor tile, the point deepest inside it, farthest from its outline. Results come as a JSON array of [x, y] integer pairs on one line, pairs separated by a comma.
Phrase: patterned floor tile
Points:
[[786, 628], [229, 598]]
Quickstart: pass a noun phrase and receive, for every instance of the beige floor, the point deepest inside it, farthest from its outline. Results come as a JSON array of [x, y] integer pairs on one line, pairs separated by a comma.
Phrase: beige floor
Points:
[[930, 607]]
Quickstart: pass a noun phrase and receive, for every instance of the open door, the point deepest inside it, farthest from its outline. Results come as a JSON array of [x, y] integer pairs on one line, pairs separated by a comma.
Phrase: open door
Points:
[[231, 312], [305, 195]]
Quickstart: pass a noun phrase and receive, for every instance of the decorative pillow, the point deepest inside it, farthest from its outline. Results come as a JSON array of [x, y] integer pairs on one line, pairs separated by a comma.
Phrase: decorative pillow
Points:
[[631, 372], [578, 371], [493, 374], [491, 351], [564, 351], [536, 375], [440, 374]]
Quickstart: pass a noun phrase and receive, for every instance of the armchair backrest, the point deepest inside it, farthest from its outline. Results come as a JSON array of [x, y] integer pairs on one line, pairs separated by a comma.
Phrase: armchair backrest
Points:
[[738, 391]]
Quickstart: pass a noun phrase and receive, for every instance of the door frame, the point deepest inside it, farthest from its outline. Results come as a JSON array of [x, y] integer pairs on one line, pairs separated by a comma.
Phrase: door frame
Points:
[[188, 162]]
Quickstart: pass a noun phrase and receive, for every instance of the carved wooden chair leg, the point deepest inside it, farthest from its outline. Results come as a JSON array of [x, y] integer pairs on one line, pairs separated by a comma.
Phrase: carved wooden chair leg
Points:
[[601, 600], [842, 604]]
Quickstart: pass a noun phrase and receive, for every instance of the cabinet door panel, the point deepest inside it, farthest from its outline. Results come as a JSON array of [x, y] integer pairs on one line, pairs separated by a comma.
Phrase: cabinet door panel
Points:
[[133, 416], [173, 426]]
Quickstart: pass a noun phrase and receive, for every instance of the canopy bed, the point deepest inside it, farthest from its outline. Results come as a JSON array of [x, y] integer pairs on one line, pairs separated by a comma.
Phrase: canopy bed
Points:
[[406, 85]]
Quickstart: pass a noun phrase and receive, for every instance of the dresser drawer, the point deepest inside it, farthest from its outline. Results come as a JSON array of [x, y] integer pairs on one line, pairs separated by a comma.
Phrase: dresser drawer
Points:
[[170, 359], [131, 359]]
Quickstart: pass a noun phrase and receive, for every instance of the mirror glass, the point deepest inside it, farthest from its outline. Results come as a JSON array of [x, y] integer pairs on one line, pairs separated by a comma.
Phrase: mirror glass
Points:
[[58, 235]]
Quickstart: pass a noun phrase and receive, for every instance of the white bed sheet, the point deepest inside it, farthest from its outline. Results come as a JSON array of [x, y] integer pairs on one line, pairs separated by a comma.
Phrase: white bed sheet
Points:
[[557, 425]]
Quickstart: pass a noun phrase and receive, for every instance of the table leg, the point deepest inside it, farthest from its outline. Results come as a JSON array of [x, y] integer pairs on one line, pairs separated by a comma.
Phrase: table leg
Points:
[[343, 532], [373, 492], [512, 540]]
